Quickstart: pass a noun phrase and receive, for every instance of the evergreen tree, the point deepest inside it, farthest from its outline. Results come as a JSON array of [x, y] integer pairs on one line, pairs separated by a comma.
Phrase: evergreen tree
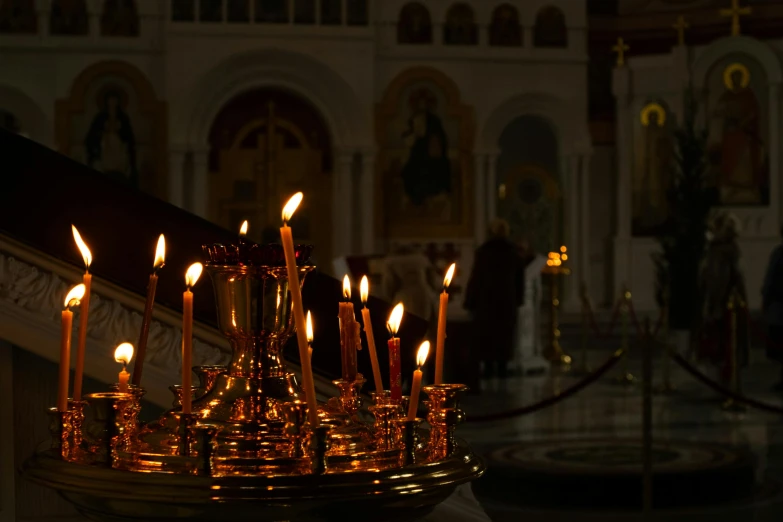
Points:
[[683, 239]]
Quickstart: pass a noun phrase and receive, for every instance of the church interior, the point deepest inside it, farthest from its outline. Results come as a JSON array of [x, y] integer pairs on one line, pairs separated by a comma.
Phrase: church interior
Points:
[[463, 260]]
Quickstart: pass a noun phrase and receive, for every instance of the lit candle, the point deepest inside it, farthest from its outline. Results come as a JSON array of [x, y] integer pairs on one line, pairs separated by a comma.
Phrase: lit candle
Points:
[[348, 334], [441, 339], [395, 369], [364, 289], [160, 258], [72, 299], [421, 358], [309, 337], [243, 231], [296, 302], [191, 277], [84, 311], [123, 354]]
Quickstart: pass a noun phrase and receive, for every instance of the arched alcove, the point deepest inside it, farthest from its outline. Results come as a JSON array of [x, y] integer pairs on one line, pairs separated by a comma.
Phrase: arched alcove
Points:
[[528, 191]]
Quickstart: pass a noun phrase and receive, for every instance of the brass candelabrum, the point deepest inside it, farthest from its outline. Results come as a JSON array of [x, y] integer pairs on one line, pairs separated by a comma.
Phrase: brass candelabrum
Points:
[[554, 352], [247, 451]]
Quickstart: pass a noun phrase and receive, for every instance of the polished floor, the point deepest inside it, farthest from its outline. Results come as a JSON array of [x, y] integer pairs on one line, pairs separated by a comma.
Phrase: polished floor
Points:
[[608, 410]]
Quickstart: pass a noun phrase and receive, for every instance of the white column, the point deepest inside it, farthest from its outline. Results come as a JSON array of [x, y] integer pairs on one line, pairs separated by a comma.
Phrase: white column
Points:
[[342, 204], [774, 160], [584, 253], [367, 203], [200, 203], [177, 177], [492, 186], [481, 203], [622, 241], [570, 172], [7, 465], [94, 9]]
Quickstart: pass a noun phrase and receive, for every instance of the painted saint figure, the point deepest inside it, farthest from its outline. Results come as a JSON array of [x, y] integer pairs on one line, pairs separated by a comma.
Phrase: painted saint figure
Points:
[[110, 143], [652, 180], [427, 171], [737, 148]]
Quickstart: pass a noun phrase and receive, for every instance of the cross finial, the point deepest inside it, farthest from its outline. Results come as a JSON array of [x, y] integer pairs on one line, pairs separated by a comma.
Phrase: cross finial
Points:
[[735, 11], [620, 49], [680, 26]]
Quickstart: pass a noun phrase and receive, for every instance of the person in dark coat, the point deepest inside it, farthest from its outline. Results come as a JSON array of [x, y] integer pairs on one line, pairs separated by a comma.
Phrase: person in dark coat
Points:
[[772, 305], [494, 292]]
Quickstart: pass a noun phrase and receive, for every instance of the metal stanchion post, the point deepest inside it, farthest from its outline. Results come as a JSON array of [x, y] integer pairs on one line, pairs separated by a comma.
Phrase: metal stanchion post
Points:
[[584, 368], [647, 377], [626, 377], [666, 386], [730, 404], [555, 353]]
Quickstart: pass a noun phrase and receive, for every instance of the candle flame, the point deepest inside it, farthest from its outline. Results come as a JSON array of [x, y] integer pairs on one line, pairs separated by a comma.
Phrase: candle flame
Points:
[[421, 355], [364, 289], [310, 335], [449, 275], [193, 273], [243, 229], [85, 251], [160, 253], [291, 206], [74, 296], [123, 353], [346, 287], [563, 249], [395, 318]]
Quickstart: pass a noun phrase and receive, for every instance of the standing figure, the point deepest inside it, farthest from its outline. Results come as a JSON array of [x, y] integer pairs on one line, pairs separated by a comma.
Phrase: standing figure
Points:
[[494, 292], [110, 143], [720, 278], [737, 149], [427, 171], [772, 305]]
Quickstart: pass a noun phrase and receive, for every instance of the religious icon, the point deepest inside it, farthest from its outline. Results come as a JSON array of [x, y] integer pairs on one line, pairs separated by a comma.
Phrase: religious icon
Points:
[[119, 18], [653, 165], [414, 25], [424, 159], [505, 30], [110, 142], [18, 16], [69, 17], [737, 150]]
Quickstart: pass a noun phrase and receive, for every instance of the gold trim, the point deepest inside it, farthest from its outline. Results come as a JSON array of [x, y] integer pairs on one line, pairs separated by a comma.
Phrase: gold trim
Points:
[[644, 114], [731, 69]]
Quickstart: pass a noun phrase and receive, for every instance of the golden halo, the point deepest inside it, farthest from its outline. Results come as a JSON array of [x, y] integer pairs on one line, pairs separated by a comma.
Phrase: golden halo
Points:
[[731, 69], [655, 107]]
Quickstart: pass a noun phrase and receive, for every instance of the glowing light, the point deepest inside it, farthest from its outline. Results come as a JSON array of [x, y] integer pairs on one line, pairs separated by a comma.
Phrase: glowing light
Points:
[[564, 257], [291, 206], [193, 273], [310, 335], [449, 275], [421, 355], [549, 262], [364, 289], [83, 248], [243, 229], [395, 318], [563, 249], [123, 353], [74, 296], [160, 253], [346, 287]]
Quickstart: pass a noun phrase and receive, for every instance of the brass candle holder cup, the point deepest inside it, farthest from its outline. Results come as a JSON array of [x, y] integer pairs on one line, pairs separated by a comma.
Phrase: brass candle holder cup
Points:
[[61, 429], [444, 416], [106, 431], [249, 434]]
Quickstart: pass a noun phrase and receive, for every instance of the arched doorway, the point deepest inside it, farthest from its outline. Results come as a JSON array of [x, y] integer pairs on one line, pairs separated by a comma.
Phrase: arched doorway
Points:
[[529, 193], [266, 144]]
